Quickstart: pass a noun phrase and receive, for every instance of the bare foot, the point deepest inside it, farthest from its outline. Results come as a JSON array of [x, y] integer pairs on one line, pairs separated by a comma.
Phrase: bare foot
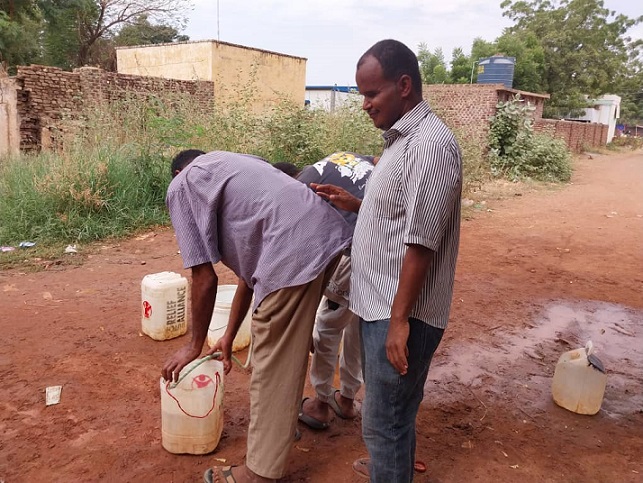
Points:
[[314, 408], [239, 474], [346, 405]]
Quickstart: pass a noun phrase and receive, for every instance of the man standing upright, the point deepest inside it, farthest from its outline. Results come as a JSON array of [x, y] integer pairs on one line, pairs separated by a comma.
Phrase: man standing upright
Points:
[[404, 254]]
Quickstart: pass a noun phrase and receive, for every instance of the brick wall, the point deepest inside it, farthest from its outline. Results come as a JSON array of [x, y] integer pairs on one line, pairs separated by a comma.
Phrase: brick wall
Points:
[[577, 135], [465, 108], [48, 94]]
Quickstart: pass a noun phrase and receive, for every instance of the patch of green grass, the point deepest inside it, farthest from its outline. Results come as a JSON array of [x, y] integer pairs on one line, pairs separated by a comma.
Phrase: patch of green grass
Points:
[[80, 196], [110, 177]]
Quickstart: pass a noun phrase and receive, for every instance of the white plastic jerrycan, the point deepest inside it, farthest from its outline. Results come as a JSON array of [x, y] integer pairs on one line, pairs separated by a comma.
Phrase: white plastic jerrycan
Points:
[[192, 409], [164, 305], [579, 381], [219, 321]]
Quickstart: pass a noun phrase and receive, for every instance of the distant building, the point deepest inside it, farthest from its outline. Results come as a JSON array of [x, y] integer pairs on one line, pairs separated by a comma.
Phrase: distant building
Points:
[[604, 110], [629, 130], [331, 97], [234, 69]]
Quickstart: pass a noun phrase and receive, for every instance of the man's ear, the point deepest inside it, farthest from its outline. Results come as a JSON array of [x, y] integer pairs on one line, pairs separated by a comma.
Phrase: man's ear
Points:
[[176, 172], [405, 86]]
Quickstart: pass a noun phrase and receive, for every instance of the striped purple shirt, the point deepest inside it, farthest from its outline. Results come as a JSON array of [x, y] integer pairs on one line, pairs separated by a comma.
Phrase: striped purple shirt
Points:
[[268, 228]]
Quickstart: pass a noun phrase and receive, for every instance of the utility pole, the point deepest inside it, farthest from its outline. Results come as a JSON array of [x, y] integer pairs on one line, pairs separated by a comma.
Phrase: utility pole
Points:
[[472, 67]]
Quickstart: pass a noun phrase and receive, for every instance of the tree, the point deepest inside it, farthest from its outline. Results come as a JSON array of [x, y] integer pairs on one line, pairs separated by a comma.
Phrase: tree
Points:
[[461, 66], [630, 89], [63, 22], [525, 48], [114, 14], [73, 33], [19, 33], [530, 60], [433, 68], [142, 32], [585, 47]]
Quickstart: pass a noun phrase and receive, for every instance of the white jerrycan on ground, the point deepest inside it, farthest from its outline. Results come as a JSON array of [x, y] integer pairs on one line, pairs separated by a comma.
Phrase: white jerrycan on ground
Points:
[[164, 305], [579, 381], [220, 316], [192, 408]]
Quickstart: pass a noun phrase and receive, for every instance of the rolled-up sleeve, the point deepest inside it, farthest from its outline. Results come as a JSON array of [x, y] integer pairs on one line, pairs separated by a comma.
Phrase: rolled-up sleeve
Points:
[[189, 236]]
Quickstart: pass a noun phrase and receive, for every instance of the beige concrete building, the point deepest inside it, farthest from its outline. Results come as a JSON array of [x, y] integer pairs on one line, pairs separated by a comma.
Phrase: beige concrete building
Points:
[[238, 72]]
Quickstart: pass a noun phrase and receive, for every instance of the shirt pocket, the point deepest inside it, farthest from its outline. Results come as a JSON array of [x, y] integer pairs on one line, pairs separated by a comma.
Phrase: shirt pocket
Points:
[[388, 197]]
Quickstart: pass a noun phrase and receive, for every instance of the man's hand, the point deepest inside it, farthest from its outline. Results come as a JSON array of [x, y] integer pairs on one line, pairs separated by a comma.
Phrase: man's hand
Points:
[[178, 361], [415, 266], [203, 294], [339, 197], [397, 351], [224, 345]]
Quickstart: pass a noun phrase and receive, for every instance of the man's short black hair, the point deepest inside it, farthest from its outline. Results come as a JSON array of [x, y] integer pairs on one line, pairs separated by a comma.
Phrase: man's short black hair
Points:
[[184, 158], [396, 60], [288, 168]]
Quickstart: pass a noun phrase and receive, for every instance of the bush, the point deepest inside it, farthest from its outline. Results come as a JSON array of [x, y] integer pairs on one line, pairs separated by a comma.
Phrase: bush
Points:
[[538, 157], [517, 152], [632, 142]]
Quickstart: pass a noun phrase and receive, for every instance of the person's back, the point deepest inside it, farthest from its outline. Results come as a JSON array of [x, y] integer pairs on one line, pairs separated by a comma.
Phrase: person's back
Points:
[[349, 171], [250, 212]]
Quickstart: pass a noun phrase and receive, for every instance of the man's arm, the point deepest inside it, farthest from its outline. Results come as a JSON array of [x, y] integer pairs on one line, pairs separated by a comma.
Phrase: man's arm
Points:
[[432, 185], [415, 266], [203, 295]]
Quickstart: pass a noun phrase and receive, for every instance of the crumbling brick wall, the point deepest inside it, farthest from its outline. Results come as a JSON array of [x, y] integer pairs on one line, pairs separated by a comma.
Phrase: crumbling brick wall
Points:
[[46, 95], [465, 108], [468, 108], [577, 135]]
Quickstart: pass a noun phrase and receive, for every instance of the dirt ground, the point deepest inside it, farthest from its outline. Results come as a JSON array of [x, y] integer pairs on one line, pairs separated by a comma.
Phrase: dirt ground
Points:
[[540, 272]]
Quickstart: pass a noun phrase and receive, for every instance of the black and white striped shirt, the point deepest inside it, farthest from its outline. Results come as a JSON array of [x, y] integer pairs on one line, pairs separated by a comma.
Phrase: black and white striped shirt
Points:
[[412, 197]]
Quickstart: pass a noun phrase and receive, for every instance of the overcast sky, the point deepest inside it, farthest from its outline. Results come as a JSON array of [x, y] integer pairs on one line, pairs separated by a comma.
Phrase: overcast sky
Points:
[[333, 34]]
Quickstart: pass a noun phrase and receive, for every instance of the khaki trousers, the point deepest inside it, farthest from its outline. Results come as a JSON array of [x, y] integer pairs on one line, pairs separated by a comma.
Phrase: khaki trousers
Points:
[[282, 329]]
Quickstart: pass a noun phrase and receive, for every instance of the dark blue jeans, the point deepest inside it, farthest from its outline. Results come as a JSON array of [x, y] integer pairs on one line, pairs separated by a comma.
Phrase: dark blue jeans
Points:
[[392, 401]]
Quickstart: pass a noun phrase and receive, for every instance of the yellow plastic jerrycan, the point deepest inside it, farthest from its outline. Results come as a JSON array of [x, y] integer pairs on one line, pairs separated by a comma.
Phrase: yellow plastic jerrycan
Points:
[[220, 316], [164, 305], [192, 408], [579, 381]]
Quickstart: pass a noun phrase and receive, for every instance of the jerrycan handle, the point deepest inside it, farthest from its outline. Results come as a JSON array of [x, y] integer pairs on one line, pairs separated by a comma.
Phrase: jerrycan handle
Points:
[[215, 355], [592, 360]]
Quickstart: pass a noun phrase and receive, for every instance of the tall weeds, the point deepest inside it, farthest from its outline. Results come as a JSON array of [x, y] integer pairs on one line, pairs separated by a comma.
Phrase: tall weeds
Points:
[[111, 174]]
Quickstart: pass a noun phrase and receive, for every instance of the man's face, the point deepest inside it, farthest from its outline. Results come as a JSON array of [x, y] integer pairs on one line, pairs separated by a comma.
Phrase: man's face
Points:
[[382, 99]]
